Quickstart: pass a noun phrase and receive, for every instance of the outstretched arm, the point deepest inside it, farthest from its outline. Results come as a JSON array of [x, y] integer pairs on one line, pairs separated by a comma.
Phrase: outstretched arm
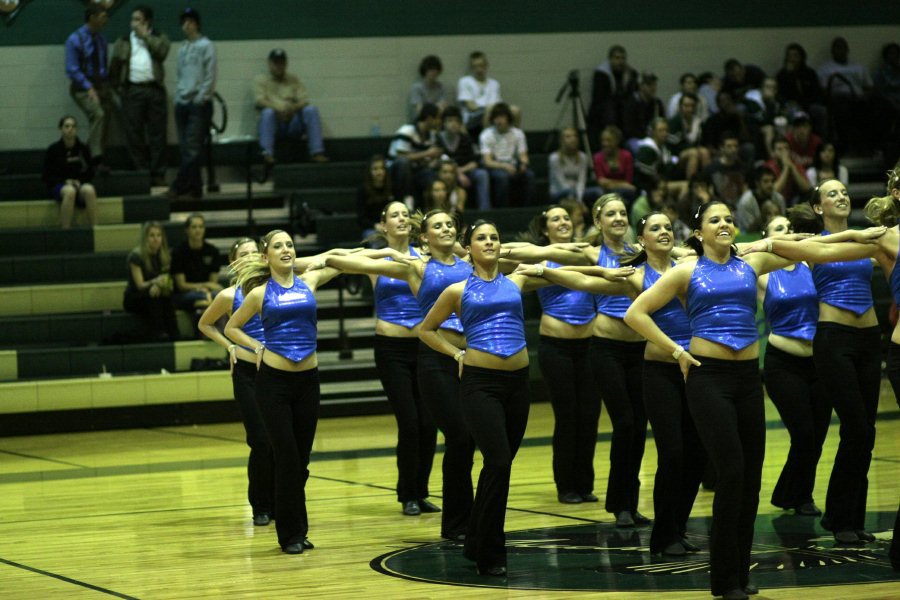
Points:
[[592, 283]]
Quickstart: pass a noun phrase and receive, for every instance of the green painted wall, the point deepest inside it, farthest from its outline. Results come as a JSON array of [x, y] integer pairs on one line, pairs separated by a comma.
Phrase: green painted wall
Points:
[[50, 21]]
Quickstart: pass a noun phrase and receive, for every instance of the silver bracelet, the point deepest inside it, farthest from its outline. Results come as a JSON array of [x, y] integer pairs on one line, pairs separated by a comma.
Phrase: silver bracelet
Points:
[[232, 347], [769, 242], [679, 350], [459, 355], [540, 270], [259, 349]]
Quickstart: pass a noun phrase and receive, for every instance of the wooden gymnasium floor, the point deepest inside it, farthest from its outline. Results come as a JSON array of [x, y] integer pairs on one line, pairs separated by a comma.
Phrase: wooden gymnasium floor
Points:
[[161, 513]]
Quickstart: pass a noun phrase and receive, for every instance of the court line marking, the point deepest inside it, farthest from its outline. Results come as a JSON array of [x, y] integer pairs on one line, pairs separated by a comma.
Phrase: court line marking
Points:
[[65, 579], [44, 458]]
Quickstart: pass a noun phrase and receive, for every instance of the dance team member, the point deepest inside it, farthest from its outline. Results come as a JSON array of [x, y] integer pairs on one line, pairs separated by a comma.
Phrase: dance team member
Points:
[[790, 302], [494, 390], [723, 388], [846, 345], [396, 349], [564, 360], [617, 357], [242, 361], [287, 384], [680, 455]]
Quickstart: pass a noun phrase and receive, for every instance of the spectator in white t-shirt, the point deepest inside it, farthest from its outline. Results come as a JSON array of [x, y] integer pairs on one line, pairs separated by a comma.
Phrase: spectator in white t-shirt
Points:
[[477, 94], [413, 154], [505, 155], [568, 171]]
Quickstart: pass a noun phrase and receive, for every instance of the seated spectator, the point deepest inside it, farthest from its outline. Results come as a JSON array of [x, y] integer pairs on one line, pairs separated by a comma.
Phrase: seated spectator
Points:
[[413, 153], [700, 191], [826, 165], [710, 86], [437, 197], [456, 194], [799, 89], [427, 90], [887, 77], [195, 268], [456, 143], [613, 83], [647, 202], [739, 79], [684, 136], [578, 212], [505, 155], [285, 111], [679, 228], [802, 140], [762, 107], [727, 173], [149, 290], [614, 166], [68, 172], [761, 202], [641, 108], [689, 85], [477, 94], [790, 178], [654, 161], [568, 170], [373, 195], [731, 119], [848, 88]]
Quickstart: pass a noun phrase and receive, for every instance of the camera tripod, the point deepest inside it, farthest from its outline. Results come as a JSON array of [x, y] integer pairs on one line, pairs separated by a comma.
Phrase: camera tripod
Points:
[[570, 90]]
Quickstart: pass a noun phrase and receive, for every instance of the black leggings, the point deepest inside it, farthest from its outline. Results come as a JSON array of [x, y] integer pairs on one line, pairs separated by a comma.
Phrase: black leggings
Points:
[[796, 391], [681, 458], [618, 368], [495, 404], [893, 370], [726, 402], [261, 464], [439, 386], [396, 362], [289, 403], [565, 366], [848, 360]]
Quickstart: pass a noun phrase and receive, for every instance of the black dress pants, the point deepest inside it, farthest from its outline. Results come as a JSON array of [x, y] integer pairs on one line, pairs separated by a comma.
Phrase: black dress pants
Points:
[[566, 369], [439, 386], [261, 464], [495, 404], [726, 401], [396, 360]]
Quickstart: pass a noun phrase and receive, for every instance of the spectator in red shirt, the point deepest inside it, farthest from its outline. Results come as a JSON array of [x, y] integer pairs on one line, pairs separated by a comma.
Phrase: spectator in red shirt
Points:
[[614, 166], [790, 179], [802, 140]]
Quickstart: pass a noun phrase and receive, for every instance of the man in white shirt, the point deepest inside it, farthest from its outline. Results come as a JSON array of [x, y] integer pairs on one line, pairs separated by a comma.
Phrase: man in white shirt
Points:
[[413, 153], [477, 94], [504, 152], [136, 70]]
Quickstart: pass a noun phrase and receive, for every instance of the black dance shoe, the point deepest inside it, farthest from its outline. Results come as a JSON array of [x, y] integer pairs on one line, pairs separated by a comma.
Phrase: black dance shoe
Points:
[[689, 546], [589, 498], [735, 594], [296, 548], [262, 519], [411, 508], [639, 519], [624, 520], [864, 536], [847, 536], [307, 545], [454, 537], [674, 549], [808, 510], [497, 571], [427, 507], [751, 590], [569, 498]]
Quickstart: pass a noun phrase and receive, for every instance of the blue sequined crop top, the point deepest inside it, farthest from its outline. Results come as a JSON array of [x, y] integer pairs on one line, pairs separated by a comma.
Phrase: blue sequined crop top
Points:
[[438, 277], [569, 306], [492, 315], [791, 303], [289, 319], [253, 327], [671, 318], [611, 306], [846, 285], [721, 302], [394, 301]]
